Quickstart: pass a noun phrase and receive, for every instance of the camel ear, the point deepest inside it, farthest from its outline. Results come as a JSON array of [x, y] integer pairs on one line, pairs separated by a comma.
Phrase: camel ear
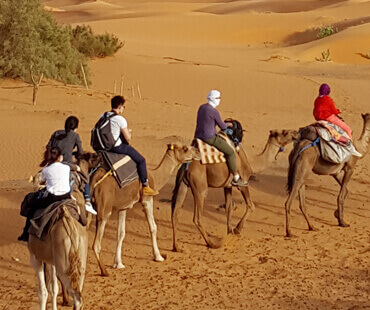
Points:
[[273, 133], [185, 148], [170, 146]]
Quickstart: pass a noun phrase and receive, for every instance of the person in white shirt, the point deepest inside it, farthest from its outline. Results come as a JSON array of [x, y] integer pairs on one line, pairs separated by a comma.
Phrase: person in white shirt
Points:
[[56, 178], [122, 134]]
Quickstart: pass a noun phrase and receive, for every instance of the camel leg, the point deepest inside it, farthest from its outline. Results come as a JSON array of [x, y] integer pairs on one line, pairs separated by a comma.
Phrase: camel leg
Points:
[[66, 301], [302, 206], [42, 291], [249, 208], [199, 198], [147, 203], [342, 197], [121, 232], [52, 284], [228, 208], [100, 226], [181, 195]]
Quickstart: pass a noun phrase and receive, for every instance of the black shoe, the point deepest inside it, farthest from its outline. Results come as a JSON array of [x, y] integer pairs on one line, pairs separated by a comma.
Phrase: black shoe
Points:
[[23, 237], [240, 183]]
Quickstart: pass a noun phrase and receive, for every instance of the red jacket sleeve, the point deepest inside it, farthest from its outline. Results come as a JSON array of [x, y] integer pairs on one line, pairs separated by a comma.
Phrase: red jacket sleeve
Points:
[[331, 106]]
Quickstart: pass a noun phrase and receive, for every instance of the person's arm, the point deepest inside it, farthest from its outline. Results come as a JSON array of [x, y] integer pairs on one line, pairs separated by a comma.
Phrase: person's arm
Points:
[[126, 134], [332, 107], [51, 140], [80, 150], [220, 123]]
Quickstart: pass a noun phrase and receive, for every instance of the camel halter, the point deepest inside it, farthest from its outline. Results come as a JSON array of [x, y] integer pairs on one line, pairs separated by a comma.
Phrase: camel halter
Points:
[[175, 162]]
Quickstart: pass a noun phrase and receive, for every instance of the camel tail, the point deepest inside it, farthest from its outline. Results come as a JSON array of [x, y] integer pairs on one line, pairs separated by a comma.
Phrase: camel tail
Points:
[[181, 173], [293, 156], [75, 263]]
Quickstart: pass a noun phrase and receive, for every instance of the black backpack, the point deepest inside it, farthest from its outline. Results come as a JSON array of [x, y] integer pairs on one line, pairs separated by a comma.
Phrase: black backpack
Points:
[[235, 133], [101, 135]]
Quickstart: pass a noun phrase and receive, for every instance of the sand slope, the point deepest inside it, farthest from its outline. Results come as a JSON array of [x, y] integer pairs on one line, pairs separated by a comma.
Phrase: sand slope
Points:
[[261, 56]]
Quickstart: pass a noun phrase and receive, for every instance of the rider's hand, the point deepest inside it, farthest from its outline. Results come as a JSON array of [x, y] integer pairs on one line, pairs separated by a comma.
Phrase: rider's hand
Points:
[[230, 125]]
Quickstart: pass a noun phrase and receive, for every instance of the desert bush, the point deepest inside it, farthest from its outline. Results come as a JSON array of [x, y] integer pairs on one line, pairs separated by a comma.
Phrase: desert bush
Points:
[[30, 37], [326, 31], [325, 56], [92, 45]]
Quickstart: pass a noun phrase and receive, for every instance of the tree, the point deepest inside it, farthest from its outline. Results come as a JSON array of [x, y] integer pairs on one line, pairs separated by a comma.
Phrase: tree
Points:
[[31, 38]]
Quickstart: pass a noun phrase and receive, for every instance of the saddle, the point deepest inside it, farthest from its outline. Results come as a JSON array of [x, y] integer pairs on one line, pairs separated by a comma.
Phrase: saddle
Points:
[[334, 144], [45, 219], [121, 166], [209, 154]]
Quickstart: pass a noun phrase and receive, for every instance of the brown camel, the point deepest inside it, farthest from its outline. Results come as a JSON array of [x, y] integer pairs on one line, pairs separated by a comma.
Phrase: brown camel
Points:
[[302, 163], [63, 253], [200, 177], [108, 196]]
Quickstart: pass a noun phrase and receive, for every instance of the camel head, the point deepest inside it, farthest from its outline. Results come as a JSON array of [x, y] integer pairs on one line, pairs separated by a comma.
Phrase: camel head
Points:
[[366, 118], [283, 137], [182, 154]]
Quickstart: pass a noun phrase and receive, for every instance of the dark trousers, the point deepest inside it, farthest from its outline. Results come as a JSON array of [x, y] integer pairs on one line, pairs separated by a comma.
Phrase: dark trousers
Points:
[[42, 203], [225, 148], [136, 157]]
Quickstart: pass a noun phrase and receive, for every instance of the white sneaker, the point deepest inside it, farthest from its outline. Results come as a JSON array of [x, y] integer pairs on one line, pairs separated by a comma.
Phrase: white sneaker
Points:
[[89, 208]]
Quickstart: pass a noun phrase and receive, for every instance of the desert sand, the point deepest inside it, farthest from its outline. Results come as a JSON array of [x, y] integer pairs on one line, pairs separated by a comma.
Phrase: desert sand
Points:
[[261, 56]]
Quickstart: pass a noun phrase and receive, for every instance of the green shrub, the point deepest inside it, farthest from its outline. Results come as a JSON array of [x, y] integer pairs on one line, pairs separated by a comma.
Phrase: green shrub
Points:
[[92, 45], [326, 31], [29, 36]]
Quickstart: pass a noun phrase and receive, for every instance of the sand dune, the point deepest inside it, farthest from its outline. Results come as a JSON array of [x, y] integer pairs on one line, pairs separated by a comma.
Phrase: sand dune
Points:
[[261, 56]]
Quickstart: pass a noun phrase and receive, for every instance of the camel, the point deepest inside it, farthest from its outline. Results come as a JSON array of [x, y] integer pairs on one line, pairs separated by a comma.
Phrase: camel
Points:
[[200, 177], [62, 254], [108, 196], [302, 163], [78, 196]]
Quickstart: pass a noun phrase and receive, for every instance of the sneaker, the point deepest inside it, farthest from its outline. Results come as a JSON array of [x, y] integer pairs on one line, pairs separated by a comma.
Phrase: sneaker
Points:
[[23, 237], [89, 208], [147, 191], [239, 182], [354, 152]]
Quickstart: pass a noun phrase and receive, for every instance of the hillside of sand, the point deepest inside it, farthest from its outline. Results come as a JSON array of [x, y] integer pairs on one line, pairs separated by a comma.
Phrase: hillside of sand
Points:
[[261, 55]]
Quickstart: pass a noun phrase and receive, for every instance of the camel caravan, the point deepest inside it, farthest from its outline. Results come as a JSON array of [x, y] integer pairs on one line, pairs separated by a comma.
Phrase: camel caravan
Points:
[[75, 185]]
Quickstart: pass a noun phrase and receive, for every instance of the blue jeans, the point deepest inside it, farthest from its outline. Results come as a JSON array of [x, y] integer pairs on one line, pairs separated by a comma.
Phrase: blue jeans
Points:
[[136, 157]]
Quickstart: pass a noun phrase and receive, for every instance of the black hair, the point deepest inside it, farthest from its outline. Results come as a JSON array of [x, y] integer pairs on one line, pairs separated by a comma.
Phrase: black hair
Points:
[[51, 155], [117, 101], [71, 123]]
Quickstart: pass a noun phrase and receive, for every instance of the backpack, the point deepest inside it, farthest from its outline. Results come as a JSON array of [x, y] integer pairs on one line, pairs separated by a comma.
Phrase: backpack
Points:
[[101, 135], [235, 133]]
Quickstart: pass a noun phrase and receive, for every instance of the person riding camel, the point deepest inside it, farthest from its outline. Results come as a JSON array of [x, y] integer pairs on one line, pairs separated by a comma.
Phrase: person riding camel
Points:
[[325, 109], [67, 140], [55, 175], [207, 119], [122, 135]]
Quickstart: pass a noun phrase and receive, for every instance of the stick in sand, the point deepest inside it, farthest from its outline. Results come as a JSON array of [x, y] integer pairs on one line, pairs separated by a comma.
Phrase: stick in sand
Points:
[[115, 88], [138, 89], [132, 92], [121, 91]]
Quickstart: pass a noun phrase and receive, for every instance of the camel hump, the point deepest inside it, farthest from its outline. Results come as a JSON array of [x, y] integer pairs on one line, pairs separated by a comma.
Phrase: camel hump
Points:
[[308, 133]]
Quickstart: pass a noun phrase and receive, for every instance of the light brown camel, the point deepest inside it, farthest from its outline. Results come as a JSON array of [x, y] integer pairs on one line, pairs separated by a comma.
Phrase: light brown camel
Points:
[[78, 196], [275, 144], [302, 163], [62, 254], [108, 196], [200, 177]]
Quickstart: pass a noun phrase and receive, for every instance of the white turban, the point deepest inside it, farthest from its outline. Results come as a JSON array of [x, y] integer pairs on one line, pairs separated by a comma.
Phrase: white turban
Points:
[[214, 98]]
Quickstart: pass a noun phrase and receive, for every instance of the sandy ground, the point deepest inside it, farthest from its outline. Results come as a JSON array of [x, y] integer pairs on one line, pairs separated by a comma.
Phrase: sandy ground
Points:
[[261, 56]]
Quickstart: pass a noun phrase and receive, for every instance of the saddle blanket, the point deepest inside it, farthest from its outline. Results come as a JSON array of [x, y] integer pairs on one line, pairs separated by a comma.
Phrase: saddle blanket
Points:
[[44, 219], [123, 168], [335, 145], [209, 154]]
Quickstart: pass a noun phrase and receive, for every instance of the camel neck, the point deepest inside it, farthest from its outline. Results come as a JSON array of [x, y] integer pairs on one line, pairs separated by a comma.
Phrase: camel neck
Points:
[[160, 175], [267, 156]]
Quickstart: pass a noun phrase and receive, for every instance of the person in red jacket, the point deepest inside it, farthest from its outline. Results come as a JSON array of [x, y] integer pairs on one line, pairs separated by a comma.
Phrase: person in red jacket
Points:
[[326, 110]]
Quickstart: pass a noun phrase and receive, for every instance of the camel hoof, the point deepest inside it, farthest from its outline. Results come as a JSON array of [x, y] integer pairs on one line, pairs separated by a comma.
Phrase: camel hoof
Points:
[[119, 266], [343, 224], [236, 231], [313, 228], [289, 235], [160, 258]]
